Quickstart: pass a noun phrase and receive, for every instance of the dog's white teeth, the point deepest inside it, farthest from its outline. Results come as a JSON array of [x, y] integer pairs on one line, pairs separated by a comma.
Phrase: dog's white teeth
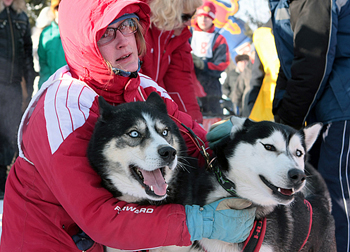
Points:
[[293, 191], [279, 189], [152, 188], [139, 173]]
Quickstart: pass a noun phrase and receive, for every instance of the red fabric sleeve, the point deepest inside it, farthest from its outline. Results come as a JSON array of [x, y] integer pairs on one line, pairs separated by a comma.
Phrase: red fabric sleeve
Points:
[[179, 83], [221, 55]]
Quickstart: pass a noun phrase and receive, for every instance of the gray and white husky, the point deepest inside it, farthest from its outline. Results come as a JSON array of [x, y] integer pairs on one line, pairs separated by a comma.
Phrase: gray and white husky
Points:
[[136, 149]]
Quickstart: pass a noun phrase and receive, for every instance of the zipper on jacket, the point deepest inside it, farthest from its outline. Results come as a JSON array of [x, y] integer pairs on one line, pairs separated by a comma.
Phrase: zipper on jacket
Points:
[[158, 59], [13, 43]]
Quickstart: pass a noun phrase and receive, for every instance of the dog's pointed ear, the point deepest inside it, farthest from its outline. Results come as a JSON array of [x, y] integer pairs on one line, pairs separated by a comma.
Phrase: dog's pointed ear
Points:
[[105, 108], [157, 102], [238, 123], [311, 133]]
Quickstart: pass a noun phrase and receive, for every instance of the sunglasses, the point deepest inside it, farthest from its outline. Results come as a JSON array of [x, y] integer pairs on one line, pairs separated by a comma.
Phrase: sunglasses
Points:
[[126, 28], [187, 17]]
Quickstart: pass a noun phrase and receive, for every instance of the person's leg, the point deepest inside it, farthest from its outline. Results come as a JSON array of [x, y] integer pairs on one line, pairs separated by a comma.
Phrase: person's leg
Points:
[[334, 167], [6, 156], [10, 114], [211, 105], [314, 152], [3, 176], [217, 109]]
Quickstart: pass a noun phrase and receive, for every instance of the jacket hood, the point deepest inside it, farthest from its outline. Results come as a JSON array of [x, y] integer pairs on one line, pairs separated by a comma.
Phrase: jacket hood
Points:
[[81, 24], [17, 5]]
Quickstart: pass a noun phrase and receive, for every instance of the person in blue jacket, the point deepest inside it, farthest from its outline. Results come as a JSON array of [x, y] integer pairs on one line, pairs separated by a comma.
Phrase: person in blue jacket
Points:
[[313, 44]]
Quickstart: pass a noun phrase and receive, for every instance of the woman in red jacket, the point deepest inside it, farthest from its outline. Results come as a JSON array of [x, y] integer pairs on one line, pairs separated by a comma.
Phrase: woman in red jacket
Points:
[[54, 200], [168, 60]]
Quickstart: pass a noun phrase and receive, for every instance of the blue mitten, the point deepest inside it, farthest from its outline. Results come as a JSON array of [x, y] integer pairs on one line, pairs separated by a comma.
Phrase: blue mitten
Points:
[[219, 221], [219, 131]]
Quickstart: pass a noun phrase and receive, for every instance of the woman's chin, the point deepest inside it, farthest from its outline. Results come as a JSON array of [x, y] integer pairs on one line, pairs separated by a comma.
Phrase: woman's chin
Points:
[[128, 67]]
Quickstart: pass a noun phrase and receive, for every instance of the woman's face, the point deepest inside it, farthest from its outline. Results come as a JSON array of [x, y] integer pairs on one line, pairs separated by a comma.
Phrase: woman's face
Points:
[[121, 52], [7, 2]]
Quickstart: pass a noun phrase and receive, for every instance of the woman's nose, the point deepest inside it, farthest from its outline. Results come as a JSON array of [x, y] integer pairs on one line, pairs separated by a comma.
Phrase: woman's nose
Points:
[[120, 39]]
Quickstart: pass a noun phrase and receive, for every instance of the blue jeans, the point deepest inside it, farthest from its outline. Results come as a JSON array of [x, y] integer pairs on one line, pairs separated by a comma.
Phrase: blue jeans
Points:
[[334, 165]]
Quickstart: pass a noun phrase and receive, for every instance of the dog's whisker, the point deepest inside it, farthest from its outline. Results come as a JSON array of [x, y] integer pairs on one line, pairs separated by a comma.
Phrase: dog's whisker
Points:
[[186, 159], [183, 166]]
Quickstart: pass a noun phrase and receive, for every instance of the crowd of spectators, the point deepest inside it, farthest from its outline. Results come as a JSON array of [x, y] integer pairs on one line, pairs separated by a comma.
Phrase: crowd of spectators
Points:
[[298, 75]]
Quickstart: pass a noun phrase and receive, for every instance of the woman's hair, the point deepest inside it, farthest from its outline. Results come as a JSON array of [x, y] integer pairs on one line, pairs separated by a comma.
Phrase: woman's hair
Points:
[[166, 14], [140, 39]]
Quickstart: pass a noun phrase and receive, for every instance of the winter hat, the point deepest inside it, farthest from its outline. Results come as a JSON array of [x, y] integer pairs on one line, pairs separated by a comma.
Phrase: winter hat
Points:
[[207, 9], [125, 16], [54, 4], [241, 57]]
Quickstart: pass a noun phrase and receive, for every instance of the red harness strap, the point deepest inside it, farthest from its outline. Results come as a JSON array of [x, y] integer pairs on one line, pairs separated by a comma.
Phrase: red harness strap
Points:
[[309, 207], [256, 236]]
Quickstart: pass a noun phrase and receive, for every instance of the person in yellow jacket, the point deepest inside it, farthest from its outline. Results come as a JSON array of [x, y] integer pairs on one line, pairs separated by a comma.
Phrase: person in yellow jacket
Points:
[[264, 74]]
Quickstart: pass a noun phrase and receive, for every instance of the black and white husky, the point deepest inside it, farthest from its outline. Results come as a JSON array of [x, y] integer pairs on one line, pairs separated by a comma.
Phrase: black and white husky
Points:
[[136, 149]]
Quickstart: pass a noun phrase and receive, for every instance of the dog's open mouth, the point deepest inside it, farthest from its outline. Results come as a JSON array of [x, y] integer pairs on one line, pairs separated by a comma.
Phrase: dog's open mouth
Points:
[[153, 181], [282, 192]]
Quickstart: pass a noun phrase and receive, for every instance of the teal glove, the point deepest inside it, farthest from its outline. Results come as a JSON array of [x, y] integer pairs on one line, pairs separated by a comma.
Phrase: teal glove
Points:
[[219, 131], [219, 221]]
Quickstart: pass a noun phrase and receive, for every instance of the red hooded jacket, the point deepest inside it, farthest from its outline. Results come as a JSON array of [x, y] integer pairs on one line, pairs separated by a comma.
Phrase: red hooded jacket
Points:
[[51, 190]]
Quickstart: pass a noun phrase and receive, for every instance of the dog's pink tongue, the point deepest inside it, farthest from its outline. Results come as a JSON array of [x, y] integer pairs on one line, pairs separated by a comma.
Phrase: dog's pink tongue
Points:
[[154, 179]]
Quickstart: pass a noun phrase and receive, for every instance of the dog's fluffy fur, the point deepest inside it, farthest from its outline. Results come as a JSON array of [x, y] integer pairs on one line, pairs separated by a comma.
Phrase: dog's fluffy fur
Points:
[[135, 148], [266, 162]]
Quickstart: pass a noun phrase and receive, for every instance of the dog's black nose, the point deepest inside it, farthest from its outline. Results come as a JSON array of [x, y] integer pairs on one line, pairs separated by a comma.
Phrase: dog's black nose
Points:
[[167, 153], [296, 176]]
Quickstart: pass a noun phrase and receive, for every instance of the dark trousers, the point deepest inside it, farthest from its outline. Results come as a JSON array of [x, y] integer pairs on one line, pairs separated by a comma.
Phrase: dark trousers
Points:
[[10, 117], [3, 176], [210, 105], [334, 165]]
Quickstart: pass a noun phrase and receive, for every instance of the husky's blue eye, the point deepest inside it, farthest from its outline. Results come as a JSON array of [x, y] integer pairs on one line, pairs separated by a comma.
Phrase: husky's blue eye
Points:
[[134, 134], [269, 147], [298, 153], [165, 132]]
